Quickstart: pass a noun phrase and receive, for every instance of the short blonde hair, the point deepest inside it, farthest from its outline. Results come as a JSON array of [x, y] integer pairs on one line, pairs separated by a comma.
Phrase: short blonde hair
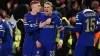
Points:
[[34, 2], [49, 3]]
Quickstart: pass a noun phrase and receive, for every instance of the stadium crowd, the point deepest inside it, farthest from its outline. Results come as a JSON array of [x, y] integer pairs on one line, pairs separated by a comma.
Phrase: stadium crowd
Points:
[[13, 12]]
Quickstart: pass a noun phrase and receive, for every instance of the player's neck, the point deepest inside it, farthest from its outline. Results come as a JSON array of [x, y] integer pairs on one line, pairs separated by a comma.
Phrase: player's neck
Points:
[[49, 14], [33, 12]]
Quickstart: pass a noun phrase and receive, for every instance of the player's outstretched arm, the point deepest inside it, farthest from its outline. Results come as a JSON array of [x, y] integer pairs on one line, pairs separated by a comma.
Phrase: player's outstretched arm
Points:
[[60, 31], [78, 25], [73, 29], [59, 45]]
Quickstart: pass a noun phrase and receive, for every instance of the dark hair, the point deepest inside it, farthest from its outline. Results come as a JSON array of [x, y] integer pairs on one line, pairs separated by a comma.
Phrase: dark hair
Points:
[[20, 11], [73, 3], [34, 2], [87, 3]]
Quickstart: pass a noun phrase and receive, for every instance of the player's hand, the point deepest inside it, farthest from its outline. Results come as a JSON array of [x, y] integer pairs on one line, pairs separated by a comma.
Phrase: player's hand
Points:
[[61, 29], [48, 21], [95, 41], [42, 24], [59, 45], [18, 49], [38, 44]]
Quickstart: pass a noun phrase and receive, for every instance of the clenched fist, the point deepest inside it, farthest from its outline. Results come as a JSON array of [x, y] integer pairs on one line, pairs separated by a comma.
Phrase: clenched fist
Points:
[[59, 45], [48, 21], [42, 24], [38, 44]]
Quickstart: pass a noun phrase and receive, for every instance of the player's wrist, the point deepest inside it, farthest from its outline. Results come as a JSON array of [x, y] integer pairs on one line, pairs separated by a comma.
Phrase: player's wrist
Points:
[[44, 23]]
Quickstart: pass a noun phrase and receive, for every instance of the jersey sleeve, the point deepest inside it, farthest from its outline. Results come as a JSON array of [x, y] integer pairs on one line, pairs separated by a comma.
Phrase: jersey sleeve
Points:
[[30, 25], [59, 26], [98, 24], [78, 25]]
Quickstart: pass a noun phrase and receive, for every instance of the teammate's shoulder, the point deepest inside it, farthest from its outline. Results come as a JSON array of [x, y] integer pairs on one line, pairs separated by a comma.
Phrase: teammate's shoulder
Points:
[[41, 13], [26, 14], [4, 23], [54, 14], [79, 13], [88, 10]]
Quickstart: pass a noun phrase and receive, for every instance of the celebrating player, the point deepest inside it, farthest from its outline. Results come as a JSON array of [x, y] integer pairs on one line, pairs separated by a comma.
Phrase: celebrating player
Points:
[[47, 44], [86, 22], [5, 37], [31, 28]]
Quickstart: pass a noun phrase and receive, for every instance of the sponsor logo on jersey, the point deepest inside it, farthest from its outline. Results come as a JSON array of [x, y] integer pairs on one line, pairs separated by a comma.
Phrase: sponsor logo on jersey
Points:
[[48, 26]]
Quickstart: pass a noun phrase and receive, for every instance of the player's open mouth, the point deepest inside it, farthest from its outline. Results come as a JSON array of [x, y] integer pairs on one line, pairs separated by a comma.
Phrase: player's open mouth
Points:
[[46, 11]]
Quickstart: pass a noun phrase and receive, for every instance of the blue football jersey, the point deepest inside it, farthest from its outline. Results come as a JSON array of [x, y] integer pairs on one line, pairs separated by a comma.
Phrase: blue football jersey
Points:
[[86, 22], [31, 25], [48, 32]]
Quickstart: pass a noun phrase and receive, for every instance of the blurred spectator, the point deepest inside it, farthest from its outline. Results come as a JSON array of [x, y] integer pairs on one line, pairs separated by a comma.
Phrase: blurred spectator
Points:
[[29, 9], [4, 13], [3, 4], [9, 8], [61, 3], [79, 2], [98, 10], [97, 45], [78, 8], [61, 6], [23, 1], [53, 2], [8, 5], [15, 5], [73, 11], [95, 5]]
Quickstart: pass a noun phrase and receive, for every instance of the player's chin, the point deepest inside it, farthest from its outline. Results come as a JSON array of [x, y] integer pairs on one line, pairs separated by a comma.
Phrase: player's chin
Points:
[[38, 11], [47, 13]]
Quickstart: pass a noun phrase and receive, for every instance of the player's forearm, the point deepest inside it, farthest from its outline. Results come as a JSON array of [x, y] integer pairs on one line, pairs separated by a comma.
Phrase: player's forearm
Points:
[[73, 29], [61, 35], [31, 27]]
